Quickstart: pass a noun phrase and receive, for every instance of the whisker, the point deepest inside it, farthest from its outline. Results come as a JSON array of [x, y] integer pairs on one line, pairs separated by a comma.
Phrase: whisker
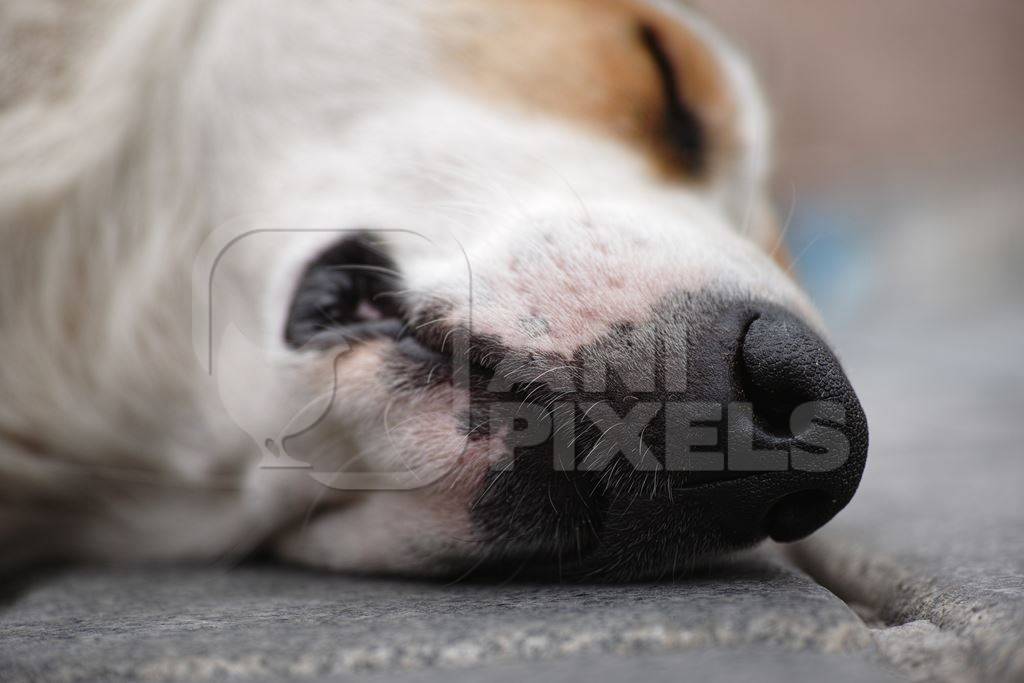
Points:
[[803, 252], [789, 221]]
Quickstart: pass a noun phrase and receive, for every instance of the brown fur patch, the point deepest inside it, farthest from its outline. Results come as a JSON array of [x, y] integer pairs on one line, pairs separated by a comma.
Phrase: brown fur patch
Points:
[[586, 60]]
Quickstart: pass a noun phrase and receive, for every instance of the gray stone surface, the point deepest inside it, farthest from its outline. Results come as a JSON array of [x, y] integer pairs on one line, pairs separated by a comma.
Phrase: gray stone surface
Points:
[[743, 665], [932, 546], [275, 623], [936, 534]]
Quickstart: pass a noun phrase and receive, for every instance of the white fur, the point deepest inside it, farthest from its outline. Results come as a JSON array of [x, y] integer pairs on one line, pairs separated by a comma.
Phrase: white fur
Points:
[[249, 135]]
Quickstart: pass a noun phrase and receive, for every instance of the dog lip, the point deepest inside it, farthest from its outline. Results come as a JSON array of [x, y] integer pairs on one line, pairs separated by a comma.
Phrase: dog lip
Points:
[[387, 328], [414, 349]]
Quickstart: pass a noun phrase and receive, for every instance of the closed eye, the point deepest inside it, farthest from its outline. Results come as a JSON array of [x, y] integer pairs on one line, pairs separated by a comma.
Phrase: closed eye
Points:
[[680, 124]]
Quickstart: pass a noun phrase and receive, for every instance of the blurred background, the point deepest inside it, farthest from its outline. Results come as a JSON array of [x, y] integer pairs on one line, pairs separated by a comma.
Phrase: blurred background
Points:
[[900, 167], [900, 147]]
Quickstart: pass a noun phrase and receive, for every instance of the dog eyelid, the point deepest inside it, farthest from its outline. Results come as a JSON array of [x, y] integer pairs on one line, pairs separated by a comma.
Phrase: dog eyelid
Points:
[[681, 125]]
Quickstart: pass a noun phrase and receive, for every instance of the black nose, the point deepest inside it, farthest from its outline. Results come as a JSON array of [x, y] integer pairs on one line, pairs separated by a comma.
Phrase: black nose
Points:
[[788, 441], [748, 428], [801, 401]]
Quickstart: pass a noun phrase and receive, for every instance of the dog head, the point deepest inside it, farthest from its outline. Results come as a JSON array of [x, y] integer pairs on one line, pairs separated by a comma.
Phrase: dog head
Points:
[[530, 282]]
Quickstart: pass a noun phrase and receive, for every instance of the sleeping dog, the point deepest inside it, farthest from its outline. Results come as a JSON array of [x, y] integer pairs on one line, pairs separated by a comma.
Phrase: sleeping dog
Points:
[[406, 287]]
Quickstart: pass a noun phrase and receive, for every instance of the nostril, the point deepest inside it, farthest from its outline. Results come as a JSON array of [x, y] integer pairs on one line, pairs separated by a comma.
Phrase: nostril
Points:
[[802, 403], [798, 515]]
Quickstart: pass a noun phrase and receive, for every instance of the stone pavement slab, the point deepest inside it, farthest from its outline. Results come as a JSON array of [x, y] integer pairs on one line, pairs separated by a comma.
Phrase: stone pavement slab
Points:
[[274, 623], [933, 543], [747, 665]]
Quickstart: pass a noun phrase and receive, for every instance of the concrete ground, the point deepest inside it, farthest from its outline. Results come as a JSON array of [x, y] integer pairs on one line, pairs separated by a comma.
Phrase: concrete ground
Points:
[[921, 578]]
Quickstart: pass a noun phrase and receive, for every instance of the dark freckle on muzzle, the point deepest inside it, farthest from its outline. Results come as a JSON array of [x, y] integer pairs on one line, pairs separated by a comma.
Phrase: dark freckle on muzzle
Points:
[[705, 429]]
